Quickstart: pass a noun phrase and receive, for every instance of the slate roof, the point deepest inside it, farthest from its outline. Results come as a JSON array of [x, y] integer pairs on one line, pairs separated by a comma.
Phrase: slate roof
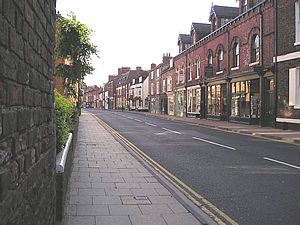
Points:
[[224, 12], [201, 27], [184, 38]]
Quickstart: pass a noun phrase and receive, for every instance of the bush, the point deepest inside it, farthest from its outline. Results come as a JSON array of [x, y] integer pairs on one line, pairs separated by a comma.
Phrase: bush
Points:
[[66, 116]]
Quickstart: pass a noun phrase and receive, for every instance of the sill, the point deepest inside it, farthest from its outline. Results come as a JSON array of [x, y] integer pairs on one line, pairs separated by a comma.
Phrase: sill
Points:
[[235, 68], [190, 80], [220, 72], [253, 64], [197, 78], [297, 107], [297, 43]]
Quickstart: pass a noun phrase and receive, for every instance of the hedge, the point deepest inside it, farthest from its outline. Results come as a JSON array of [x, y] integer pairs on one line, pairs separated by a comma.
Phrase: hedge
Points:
[[66, 116]]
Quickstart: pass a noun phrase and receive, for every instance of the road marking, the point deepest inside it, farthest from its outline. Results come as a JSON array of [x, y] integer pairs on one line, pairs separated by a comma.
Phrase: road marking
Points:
[[173, 131], [186, 190], [130, 118], [214, 143], [138, 120], [283, 163], [150, 124]]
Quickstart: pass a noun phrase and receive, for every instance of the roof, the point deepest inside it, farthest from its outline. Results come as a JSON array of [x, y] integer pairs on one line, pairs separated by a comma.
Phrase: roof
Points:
[[184, 38], [224, 11], [201, 27]]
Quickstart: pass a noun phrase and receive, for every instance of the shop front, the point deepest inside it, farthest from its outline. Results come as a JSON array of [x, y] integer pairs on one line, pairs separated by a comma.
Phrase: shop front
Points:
[[170, 97], [163, 103], [194, 101], [180, 102], [216, 101], [245, 101]]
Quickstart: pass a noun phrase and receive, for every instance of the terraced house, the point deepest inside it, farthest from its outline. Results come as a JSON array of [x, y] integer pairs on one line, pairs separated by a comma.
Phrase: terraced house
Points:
[[228, 73]]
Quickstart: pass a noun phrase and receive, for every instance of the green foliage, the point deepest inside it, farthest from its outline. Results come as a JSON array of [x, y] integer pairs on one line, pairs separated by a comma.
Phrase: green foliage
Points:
[[66, 116], [73, 44]]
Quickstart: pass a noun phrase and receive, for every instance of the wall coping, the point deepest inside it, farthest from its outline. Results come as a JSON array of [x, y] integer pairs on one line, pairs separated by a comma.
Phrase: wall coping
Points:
[[61, 157]]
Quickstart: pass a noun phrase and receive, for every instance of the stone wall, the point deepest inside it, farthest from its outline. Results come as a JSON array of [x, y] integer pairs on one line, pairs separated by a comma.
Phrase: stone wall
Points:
[[27, 116]]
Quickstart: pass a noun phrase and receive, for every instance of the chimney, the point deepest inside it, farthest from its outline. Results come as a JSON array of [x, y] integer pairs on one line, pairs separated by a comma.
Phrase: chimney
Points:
[[166, 57], [153, 65], [123, 70], [138, 68]]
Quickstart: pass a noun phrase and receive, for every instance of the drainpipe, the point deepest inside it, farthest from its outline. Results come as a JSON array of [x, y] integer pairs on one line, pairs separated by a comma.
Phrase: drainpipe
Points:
[[186, 79], [275, 66], [228, 91], [261, 75]]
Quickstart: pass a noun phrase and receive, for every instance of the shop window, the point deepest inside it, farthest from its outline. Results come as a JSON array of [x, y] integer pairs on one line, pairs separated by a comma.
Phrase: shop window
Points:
[[245, 99], [236, 55], [216, 100], [220, 60], [194, 100], [255, 49]]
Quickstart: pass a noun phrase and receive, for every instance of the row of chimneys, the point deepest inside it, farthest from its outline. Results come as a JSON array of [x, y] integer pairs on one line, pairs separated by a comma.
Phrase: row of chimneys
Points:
[[166, 58]]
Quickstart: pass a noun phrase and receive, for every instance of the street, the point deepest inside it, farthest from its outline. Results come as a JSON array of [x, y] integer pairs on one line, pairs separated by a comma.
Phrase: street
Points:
[[251, 180]]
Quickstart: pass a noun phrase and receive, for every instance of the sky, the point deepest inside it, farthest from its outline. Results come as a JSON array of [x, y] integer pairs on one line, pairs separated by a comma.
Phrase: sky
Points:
[[131, 33]]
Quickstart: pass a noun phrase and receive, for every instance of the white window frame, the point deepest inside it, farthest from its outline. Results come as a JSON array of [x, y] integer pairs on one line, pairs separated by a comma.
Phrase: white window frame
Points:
[[297, 23], [140, 79], [294, 87], [157, 87], [152, 74], [164, 85], [152, 88], [157, 73], [198, 68], [190, 71]]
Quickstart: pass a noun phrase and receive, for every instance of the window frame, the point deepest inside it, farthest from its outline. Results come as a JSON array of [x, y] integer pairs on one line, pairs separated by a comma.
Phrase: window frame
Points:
[[236, 55], [220, 60], [255, 50], [297, 23]]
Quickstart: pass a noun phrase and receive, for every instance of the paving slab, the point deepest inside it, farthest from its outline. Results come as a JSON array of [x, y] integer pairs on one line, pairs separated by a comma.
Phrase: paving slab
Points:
[[108, 186]]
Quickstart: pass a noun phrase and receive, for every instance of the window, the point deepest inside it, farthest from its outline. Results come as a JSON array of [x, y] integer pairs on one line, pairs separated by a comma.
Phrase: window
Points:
[[190, 71], [140, 79], [297, 22], [152, 89], [255, 49], [209, 59], [169, 84], [220, 60], [294, 87], [133, 81], [214, 24], [152, 75], [245, 5], [157, 73], [236, 55], [164, 85], [157, 87], [198, 68]]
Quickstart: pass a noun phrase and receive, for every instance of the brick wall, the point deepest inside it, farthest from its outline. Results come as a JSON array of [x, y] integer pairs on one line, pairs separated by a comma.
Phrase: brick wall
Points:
[[27, 137]]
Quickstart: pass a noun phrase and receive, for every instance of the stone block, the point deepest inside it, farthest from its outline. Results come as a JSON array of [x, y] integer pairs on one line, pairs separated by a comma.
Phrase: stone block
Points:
[[4, 31], [8, 11], [3, 91], [5, 151], [9, 122], [4, 184], [23, 73], [92, 210], [23, 119]]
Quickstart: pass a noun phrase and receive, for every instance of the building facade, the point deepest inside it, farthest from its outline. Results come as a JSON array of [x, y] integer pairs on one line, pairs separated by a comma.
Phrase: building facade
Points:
[[288, 64]]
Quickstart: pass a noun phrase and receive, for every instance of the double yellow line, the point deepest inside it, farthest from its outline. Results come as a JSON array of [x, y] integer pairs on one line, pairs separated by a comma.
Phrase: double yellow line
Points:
[[186, 190]]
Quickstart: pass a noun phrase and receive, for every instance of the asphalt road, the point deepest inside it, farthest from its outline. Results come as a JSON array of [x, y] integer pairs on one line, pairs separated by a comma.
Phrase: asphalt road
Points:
[[254, 181]]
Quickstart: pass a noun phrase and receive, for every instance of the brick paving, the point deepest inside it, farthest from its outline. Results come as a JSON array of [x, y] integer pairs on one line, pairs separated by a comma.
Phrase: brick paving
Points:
[[108, 186]]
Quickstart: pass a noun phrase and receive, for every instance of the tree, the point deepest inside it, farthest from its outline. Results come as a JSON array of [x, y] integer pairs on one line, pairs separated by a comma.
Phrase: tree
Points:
[[73, 50]]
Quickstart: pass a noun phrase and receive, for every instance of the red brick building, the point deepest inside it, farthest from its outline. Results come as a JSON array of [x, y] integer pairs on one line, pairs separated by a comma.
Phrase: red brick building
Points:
[[288, 64], [228, 74]]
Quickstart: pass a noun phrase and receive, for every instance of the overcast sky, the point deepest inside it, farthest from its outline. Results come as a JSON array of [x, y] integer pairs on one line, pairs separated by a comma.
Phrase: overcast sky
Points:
[[135, 32]]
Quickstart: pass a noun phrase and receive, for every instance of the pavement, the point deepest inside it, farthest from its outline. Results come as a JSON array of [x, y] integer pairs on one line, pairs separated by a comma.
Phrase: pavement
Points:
[[110, 186], [287, 136]]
